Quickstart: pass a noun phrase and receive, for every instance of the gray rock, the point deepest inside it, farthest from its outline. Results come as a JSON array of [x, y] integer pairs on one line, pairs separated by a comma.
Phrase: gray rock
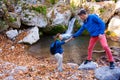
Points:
[[11, 34], [41, 21], [59, 16], [114, 25], [1, 74], [116, 50], [9, 78], [18, 9], [22, 68], [31, 1], [117, 8], [32, 37], [17, 69], [89, 66], [104, 73], [72, 65], [30, 18], [0, 50]]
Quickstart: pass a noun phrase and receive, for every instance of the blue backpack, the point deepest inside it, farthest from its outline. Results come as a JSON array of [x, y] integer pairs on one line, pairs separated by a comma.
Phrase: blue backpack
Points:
[[53, 48]]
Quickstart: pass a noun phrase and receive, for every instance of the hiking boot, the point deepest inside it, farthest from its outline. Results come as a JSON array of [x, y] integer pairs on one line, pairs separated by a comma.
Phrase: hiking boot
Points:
[[112, 65], [87, 61]]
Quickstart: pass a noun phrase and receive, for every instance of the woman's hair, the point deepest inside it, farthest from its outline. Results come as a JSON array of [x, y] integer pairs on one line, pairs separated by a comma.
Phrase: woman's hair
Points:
[[57, 36]]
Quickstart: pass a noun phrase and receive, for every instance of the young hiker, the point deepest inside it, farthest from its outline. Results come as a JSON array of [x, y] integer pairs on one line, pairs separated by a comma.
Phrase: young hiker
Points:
[[58, 52], [96, 27]]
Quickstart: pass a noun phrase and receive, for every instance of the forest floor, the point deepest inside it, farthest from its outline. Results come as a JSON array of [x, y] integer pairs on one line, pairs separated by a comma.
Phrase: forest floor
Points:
[[41, 68]]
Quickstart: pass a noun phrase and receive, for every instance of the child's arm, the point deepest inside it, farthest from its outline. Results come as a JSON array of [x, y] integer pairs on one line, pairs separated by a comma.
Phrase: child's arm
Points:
[[71, 38]]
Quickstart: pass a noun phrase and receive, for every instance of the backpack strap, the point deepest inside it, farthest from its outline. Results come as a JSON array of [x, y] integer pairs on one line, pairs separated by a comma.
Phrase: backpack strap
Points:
[[55, 43]]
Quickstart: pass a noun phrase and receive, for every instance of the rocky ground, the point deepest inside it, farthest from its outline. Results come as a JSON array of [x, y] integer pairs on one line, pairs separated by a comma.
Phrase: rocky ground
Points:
[[17, 64]]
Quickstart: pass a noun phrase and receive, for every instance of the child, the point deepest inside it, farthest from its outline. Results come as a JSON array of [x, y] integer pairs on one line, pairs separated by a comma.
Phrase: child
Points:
[[59, 50]]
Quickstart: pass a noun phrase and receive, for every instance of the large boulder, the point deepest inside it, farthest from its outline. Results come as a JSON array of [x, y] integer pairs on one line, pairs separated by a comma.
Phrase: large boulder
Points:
[[41, 21], [104, 73], [114, 27], [59, 14], [32, 36], [28, 18], [104, 9], [31, 18], [117, 8]]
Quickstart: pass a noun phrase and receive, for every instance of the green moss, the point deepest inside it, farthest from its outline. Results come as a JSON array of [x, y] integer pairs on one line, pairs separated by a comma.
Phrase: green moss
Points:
[[40, 9], [54, 30], [52, 1], [77, 25], [29, 18], [26, 15], [11, 19], [85, 32], [110, 33], [5, 1], [102, 10], [3, 25], [97, 0], [115, 0], [92, 9]]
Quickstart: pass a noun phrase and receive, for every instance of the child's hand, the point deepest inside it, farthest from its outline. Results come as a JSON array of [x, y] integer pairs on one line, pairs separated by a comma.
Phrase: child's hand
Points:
[[71, 38]]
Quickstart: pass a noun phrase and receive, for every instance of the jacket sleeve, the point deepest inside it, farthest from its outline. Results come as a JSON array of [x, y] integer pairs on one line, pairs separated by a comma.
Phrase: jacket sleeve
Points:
[[100, 22], [79, 32], [60, 43]]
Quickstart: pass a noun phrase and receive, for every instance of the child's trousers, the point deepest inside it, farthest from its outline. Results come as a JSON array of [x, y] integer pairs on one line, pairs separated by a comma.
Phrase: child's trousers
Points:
[[59, 58]]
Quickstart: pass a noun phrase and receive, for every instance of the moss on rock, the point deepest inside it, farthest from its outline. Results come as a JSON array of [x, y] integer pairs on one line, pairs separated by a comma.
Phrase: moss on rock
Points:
[[3, 25], [54, 30]]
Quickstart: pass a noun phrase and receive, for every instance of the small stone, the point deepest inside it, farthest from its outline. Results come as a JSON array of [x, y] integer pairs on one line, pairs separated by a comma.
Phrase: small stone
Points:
[[9, 78], [12, 47], [0, 50], [72, 65], [11, 34]]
